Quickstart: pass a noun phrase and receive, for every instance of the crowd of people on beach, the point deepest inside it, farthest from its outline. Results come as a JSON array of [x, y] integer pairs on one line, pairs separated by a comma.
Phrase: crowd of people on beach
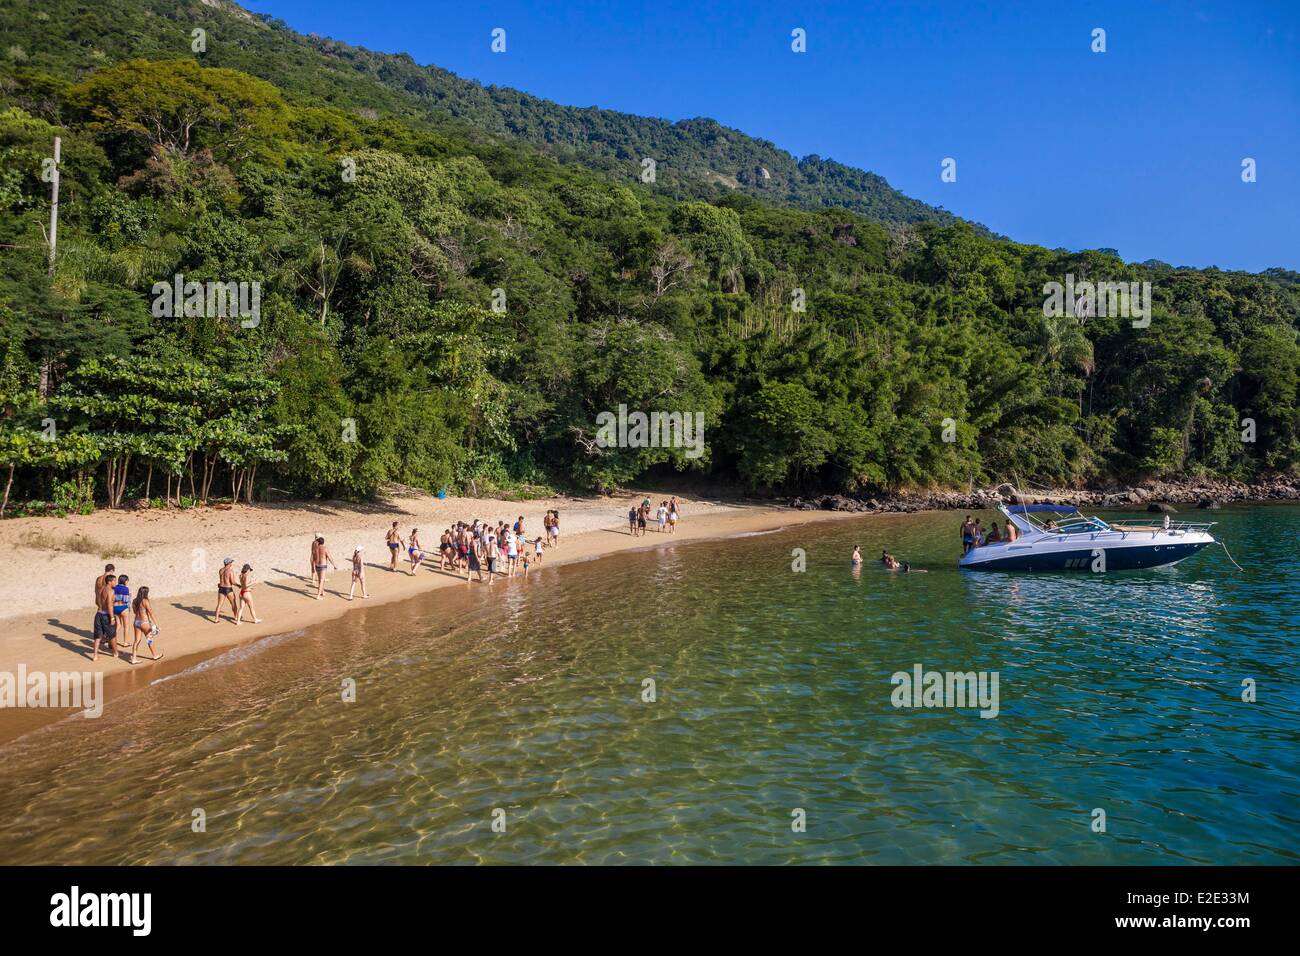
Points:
[[481, 550], [473, 547], [638, 517]]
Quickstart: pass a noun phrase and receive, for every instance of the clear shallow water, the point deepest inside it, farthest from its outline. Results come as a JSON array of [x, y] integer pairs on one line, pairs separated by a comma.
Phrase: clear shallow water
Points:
[[1119, 692]]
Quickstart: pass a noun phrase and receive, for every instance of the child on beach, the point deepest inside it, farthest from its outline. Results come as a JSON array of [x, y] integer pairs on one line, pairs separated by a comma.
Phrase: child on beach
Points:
[[537, 550], [144, 625], [246, 594], [358, 573]]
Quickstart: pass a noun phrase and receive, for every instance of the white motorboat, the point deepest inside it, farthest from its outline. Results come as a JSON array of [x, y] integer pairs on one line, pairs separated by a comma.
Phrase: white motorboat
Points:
[[1070, 541]]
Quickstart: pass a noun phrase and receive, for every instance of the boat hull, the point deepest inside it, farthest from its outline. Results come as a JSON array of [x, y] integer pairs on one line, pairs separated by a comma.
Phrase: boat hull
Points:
[[1094, 558]]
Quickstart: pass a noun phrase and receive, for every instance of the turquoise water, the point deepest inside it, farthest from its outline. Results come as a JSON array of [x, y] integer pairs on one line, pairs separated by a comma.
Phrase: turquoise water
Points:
[[1120, 692]]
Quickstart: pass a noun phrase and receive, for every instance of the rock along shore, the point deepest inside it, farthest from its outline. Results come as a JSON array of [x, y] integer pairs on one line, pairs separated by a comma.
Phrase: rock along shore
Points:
[[1154, 496]]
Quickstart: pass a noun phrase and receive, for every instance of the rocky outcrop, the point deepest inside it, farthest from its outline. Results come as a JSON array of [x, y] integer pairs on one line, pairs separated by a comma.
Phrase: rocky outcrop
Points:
[[1156, 497]]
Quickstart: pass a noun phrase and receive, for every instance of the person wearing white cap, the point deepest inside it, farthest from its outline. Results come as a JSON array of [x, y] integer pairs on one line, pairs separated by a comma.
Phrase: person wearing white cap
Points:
[[226, 591], [358, 572]]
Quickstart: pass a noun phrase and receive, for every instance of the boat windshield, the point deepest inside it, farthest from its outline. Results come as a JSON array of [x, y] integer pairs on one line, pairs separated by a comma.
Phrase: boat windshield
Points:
[[1052, 520]]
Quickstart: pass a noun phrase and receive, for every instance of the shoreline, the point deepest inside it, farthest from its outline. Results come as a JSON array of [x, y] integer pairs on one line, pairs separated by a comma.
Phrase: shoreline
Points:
[[58, 640]]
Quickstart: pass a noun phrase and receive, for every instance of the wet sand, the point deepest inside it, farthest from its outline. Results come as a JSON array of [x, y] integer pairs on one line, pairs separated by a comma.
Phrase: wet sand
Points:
[[59, 639]]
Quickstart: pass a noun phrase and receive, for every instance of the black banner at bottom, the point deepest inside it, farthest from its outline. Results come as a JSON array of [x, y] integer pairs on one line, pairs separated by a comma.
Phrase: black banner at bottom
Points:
[[337, 905]]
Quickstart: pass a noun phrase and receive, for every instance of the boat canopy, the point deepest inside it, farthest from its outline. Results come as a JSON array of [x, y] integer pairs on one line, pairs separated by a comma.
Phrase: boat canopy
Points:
[[1054, 509]]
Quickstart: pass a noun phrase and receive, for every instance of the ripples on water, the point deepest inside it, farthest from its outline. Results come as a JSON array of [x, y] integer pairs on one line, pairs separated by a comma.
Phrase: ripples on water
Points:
[[1119, 692]]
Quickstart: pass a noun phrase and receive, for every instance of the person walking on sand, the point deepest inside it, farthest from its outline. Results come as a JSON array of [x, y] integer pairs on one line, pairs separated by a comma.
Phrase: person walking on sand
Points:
[[631, 521], [105, 631], [144, 626], [642, 514], [555, 528], [672, 516], [121, 604], [358, 573], [414, 551], [512, 553], [226, 591], [246, 594], [474, 561], [314, 560], [662, 516], [537, 550], [99, 581], [323, 562], [395, 544]]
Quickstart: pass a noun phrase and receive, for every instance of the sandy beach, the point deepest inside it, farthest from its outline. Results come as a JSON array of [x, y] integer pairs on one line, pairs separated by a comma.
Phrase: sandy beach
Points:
[[47, 612]]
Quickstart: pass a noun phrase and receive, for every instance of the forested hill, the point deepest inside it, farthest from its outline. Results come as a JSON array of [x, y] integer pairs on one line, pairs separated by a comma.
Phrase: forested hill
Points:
[[695, 158], [316, 284]]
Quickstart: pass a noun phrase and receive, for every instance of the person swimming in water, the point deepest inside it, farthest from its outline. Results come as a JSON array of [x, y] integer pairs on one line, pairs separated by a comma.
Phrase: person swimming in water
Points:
[[857, 555]]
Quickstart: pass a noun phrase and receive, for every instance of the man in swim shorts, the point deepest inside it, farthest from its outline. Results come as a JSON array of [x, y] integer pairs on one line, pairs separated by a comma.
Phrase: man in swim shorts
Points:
[[226, 591], [105, 631], [395, 543]]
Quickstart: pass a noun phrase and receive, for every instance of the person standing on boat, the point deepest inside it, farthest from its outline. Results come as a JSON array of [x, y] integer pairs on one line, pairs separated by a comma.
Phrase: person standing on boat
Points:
[[967, 535]]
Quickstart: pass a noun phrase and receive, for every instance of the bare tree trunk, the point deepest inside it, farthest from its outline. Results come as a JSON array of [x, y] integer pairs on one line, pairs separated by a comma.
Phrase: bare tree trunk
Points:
[[148, 480], [4, 503]]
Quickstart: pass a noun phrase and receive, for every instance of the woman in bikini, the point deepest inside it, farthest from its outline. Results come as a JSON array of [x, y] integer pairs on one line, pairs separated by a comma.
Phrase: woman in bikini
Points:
[[358, 573], [121, 604], [447, 561], [413, 551], [144, 625], [246, 594]]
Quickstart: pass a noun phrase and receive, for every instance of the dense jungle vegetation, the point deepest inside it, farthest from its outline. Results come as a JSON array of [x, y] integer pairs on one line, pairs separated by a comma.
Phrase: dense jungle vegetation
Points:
[[456, 280]]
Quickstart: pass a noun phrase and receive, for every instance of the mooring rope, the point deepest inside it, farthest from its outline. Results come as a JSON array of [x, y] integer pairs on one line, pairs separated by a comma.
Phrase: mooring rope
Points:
[[1229, 554]]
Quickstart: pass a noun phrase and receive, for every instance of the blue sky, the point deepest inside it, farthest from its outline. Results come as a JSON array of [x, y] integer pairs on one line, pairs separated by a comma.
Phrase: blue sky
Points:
[[1137, 149]]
